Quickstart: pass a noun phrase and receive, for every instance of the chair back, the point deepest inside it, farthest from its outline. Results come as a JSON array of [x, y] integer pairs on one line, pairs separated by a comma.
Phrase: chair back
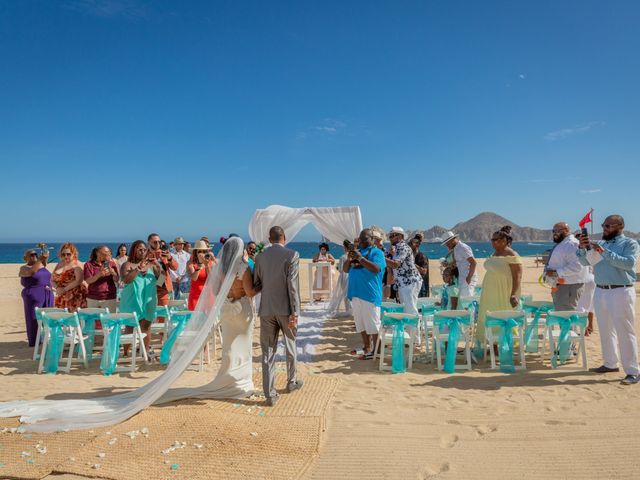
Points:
[[60, 316], [92, 311], [453, 314], [568, 313], [464, 302], [174, 304], [130, 319], [386, 307], [402, 316], [426, 301], [506, 314], [436, 290], [538, 304], [40, 311]]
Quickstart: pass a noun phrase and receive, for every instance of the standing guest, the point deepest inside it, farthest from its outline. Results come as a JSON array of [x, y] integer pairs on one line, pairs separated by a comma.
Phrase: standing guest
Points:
[[121, 256], [322, 273], [198, 269], [205, 239], [563, 268], [405, 273], [365, 267], [501, 283], [422, 264], [68, 280], [36, 292], [179, 277], [139, 295], [101, 274], [614, 268], [164, 287], [465, 261], [389, 287], [252, 250], [188, 247]]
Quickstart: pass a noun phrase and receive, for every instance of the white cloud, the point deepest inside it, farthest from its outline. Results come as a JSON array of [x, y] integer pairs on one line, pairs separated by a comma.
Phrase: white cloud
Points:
[[593, 190], [522, 76], [328, 127], [567, 132]]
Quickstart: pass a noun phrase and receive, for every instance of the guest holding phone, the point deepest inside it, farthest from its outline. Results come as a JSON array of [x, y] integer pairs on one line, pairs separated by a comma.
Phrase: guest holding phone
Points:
[[68, 280], [101, 274], [202, 260]]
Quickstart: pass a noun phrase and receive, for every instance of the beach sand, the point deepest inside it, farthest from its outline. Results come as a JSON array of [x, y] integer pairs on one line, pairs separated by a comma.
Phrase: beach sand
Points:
[[538, 423]]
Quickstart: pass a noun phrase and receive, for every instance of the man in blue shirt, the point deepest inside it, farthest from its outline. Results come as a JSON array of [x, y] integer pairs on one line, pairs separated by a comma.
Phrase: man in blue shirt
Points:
[[365, 267], [614, 269]]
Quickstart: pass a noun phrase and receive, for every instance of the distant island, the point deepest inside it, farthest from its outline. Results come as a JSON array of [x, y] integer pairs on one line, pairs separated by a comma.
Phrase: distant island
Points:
[[480, 228]]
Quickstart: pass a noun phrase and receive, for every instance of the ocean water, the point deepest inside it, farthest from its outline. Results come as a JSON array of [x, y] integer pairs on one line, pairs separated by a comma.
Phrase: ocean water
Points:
[[12, 252]]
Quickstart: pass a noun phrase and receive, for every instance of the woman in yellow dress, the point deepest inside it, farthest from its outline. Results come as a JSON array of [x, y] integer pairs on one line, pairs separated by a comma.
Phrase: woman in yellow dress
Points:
[[501, 284]]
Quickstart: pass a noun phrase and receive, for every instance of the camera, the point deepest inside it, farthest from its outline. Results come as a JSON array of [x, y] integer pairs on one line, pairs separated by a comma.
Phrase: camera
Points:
[[208, 256], [350, 247]]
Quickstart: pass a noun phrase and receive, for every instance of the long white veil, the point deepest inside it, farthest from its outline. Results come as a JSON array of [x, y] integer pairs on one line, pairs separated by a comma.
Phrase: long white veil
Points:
[[62, 415]]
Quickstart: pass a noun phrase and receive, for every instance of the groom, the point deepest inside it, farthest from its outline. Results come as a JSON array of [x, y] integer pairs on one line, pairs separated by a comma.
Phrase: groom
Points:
[[276, 276]]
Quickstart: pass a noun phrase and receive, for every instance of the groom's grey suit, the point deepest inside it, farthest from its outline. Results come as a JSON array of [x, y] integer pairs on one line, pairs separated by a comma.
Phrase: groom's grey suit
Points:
[[276, 276]]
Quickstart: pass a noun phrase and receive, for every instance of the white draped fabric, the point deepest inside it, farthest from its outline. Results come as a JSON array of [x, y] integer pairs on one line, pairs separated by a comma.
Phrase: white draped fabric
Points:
[[336, 224], [61, 415]]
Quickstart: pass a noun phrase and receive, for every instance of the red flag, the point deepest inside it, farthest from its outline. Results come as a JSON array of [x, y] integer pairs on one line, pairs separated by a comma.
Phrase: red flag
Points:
[[586, 219]]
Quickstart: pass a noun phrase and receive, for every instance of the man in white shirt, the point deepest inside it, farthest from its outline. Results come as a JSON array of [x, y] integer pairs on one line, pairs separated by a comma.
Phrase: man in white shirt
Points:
[[466, 263], [179, 277], [564, 267]]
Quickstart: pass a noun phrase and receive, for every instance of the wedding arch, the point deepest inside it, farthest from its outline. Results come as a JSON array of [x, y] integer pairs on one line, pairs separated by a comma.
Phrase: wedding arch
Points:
[[334, 223]]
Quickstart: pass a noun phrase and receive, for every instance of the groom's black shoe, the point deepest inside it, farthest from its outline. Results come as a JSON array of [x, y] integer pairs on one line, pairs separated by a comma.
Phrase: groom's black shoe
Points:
[[271, 401], [297, 385], [603, 369]]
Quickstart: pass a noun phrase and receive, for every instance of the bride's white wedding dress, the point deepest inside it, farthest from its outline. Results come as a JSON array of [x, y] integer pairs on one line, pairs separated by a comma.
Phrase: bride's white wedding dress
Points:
[[233, 379]]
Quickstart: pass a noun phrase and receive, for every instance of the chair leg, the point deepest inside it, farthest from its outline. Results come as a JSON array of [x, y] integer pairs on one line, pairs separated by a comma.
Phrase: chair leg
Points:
[[82, 351], [72, 347], [38, 335], [438, 351], [552, 344], [523, 360], [410, 359], [381, 336], [142, 347], [43, 352]]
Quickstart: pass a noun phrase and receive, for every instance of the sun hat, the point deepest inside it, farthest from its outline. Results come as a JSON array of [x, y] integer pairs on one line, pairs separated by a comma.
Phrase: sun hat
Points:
[[399, 230], [201, 245], [179, 240], [449, 236]]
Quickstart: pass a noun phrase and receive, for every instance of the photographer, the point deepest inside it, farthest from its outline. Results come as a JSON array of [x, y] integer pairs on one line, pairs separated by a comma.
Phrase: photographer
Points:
[[365, 266], [101, 274], [198, 270]]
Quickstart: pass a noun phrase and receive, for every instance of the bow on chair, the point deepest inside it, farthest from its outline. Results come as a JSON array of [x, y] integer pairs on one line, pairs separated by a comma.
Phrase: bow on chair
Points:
[[89, 329], [563, 348], [111, 349], [454, 334], [178, 322], [505, 341], [531, 332], [56, 339], [397, 345]]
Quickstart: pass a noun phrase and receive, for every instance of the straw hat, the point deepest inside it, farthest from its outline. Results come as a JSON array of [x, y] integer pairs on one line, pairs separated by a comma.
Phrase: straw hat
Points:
[[201, 245], [449, 236], [179, 240]]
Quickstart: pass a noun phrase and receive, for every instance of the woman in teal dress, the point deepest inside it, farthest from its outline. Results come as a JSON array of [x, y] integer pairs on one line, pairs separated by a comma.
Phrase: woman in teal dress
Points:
[[140, 275]]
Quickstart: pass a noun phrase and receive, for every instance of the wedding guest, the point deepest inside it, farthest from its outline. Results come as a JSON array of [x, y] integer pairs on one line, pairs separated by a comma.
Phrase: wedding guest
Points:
[[451, 292], [389, 289], [405, 273], [36, 292], [322, 273], [187, 247], [422, 264], [501, 283], [121, 256], [198, 269], [365, 267], [465, 261], [614, 268], [164, 287], [563, 267], [101, 273], [140, 275], [179, 277], [68, 280], [252, 250]]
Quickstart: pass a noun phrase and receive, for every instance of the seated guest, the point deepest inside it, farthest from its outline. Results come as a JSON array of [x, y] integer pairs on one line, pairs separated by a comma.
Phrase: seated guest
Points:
[[68, 280], [101, 274], [121, 256], [36, 292], [179, 277], [322, 273], [365, 266], [422, 264], [140, 275], [198, 270]]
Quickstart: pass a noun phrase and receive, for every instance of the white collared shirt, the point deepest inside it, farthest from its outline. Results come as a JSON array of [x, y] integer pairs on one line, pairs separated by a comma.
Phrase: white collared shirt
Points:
[[183, 259], [565, 262]]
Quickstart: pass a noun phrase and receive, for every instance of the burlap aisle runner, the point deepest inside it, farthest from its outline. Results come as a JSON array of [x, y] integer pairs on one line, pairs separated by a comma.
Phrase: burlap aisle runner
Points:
[[195, 439]]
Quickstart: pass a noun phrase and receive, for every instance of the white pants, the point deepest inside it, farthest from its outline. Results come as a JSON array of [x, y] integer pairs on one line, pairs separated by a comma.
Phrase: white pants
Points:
[[366, 316], [467, 289], [408, 296], [615, 312], [585, 302], [112, 304]]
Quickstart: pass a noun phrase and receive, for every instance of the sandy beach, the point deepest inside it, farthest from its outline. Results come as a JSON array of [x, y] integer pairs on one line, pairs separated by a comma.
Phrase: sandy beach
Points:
[[361, 423]]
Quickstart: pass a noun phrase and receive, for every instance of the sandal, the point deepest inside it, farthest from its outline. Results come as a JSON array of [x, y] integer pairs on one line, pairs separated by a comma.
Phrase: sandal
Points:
[[367, 356], [359, 351]]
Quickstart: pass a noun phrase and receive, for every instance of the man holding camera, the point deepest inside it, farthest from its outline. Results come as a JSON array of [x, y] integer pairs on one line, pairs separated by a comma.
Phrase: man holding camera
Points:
[[365, 266], [614, 268], [564, 269]]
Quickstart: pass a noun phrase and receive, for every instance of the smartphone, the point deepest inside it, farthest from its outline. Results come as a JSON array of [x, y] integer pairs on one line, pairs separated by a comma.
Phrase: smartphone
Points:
[[585, 234]]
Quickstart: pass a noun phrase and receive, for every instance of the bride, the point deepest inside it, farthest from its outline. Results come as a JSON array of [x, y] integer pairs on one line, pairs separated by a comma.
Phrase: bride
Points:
[[225, 299]]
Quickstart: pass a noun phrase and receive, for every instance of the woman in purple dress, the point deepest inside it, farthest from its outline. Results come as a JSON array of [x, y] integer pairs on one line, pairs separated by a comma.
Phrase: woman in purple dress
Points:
[[36, 280]]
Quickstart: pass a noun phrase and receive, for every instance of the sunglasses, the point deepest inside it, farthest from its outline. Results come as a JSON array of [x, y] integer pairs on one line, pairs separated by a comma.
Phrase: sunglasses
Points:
[[67, 254], [609, 225]]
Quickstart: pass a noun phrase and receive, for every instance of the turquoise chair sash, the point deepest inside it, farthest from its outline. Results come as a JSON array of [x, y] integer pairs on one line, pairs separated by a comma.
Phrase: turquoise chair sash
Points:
[[531, 333], [454, 334], [397, 346], [564, 340], [89, 329], [56, 339], [505, 341], [178, 323], [112, 328], [388, 309]]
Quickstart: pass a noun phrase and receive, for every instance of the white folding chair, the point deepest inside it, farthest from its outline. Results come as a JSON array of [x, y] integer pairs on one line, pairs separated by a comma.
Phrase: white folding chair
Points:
[[576, 334], [531, 306], [442, 335], [72, 337], [385, 338], [88, 315], [493, 338], [134, 339], [39, 312], [189, 333]]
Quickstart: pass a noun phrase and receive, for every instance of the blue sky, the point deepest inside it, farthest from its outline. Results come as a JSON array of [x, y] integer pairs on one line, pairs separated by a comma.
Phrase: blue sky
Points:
[[121, 117]]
